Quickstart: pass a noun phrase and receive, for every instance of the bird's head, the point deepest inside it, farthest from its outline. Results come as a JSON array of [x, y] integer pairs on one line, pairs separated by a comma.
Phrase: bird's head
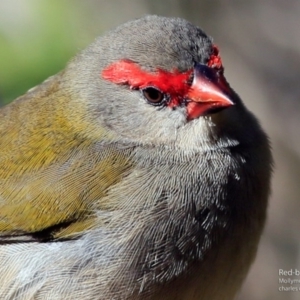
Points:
[[155, 80]]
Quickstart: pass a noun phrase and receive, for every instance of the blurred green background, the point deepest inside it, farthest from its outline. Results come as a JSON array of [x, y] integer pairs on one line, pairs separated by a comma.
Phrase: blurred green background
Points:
[[260, 47]]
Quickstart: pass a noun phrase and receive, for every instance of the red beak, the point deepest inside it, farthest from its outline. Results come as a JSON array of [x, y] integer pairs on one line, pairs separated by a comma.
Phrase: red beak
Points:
[[209, 92]]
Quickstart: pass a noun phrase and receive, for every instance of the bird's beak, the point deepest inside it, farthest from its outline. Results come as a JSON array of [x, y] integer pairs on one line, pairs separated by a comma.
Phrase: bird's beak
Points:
[[208, 93]]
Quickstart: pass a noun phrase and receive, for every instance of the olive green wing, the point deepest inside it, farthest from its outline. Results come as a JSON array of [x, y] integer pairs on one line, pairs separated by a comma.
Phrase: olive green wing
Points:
[[59, 201]]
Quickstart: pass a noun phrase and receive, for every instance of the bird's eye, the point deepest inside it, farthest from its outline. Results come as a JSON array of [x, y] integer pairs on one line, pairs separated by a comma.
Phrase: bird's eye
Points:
[[153, 95]]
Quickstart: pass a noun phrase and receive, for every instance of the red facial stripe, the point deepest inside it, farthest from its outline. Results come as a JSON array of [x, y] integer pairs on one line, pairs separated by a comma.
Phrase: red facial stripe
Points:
[[215, 60], [127, 72], [176, 84]]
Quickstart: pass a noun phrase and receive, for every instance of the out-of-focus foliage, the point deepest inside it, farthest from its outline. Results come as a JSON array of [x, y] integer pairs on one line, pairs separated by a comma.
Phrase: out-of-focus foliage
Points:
[[36, 40], [260, 47]]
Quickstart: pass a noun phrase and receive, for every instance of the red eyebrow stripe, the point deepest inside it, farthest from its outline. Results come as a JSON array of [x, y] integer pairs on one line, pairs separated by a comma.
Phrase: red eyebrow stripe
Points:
[[128, 72], [215, 60]]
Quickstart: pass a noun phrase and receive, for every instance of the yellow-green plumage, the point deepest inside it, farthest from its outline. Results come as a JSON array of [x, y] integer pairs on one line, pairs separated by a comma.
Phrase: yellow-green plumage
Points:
[[51, 173]]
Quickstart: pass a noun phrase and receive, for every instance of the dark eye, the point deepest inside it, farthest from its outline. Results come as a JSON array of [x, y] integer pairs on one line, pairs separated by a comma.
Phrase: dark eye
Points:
[[153, 95]]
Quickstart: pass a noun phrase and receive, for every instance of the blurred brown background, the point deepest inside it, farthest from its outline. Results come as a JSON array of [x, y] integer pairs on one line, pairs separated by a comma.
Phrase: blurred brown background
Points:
[[260, 46]]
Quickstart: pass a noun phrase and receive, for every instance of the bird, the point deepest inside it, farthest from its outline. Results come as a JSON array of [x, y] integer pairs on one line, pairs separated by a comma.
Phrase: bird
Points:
[[135, 173]]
